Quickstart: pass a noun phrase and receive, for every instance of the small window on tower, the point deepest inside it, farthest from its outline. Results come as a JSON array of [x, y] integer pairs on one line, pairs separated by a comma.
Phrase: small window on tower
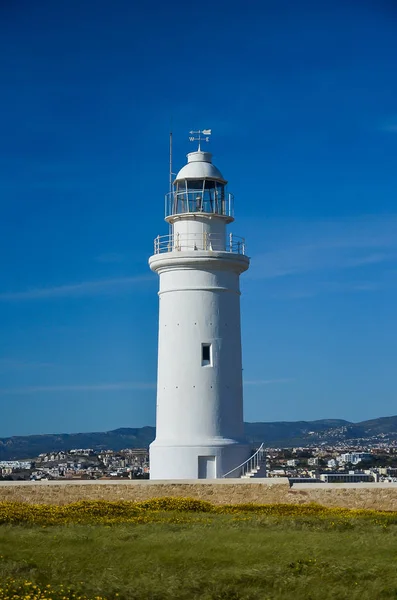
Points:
[[206, 358]]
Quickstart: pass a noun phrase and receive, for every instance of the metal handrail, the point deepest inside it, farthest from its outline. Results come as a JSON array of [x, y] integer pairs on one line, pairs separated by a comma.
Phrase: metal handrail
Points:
[[212, 242], [251, 460]]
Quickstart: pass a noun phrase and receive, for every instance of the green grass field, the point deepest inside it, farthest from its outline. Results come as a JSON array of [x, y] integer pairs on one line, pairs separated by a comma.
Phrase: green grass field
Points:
[[205, 556]]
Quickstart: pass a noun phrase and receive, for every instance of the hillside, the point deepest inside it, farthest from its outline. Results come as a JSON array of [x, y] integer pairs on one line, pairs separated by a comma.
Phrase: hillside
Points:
[[283, 433], [287, 433], [32, 445]]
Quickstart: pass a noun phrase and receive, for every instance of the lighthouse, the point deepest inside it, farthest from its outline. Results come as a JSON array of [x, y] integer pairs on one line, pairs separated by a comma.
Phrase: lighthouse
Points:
[[199, 413]]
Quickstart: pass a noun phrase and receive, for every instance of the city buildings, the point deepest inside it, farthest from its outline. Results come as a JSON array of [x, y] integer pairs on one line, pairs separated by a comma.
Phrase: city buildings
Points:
[[80, 463], [308, 465]]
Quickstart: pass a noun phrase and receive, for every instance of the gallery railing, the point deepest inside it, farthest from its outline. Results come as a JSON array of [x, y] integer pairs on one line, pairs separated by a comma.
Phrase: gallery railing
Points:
[[211, 242]]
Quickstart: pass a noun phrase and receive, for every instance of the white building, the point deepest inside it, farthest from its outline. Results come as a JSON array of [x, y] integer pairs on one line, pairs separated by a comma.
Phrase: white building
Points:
[[354, 457], [15, 464], [199, 387]]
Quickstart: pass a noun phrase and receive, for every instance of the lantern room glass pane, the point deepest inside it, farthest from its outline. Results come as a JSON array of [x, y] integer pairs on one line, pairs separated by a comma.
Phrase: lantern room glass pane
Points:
[[199, 195]]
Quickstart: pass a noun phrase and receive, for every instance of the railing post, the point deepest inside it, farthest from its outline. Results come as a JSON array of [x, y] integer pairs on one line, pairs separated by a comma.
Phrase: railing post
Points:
[[205, 240], [249, 464]]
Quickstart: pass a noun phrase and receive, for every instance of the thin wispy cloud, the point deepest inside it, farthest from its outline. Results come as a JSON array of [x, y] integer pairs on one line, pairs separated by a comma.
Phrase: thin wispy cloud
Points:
[[390, 125], [76, 290], [95, 387], [318, 288], [353, 286], [329, 246], [305, 259], [112, 387], [267, 381], [369, 259]]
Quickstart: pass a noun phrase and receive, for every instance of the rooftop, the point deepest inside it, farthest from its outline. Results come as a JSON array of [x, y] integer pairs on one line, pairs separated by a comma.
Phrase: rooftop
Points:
[[199, 166]]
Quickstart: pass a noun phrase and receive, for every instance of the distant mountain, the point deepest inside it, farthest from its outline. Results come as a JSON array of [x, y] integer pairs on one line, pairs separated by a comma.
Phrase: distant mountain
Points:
[[278, 434], [31, 446], [325, 431], [382, 425]]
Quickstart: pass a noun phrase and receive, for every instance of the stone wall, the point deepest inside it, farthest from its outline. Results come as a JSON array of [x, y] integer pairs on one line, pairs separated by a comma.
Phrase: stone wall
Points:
[[352, 496]]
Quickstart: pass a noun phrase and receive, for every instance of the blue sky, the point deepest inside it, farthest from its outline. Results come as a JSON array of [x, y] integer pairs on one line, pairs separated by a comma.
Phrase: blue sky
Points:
[[301, 99]]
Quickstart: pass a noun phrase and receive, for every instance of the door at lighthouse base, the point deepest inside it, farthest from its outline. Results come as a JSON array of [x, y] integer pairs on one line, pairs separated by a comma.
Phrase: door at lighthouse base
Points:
[[206, 467]]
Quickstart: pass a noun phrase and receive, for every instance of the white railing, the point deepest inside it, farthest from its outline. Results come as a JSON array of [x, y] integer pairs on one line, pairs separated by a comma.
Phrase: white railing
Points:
[[253, 462], [211, 242]]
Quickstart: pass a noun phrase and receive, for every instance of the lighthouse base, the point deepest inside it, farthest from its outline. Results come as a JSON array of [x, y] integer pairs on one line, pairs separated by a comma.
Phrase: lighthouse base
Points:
[[197, 462]]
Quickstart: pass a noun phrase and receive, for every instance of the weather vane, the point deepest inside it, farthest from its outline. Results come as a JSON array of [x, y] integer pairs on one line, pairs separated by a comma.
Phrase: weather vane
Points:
[[202, 135]]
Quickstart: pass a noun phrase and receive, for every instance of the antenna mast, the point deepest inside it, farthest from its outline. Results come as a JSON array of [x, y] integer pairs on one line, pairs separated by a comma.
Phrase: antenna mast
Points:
[[170, 179]]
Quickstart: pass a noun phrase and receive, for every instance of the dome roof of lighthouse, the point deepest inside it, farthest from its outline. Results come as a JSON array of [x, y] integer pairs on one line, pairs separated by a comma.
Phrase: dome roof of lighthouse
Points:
[[199, 166]]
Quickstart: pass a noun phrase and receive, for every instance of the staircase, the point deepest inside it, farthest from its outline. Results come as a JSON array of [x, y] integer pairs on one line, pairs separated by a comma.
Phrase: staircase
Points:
[[253, 467], [258, 469]]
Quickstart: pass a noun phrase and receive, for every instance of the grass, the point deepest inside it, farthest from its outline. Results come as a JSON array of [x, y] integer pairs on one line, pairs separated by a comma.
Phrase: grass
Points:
[[185, 554]]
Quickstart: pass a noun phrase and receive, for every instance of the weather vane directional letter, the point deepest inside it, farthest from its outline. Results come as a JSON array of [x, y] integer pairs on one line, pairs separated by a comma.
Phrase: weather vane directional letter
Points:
[[202, 135]]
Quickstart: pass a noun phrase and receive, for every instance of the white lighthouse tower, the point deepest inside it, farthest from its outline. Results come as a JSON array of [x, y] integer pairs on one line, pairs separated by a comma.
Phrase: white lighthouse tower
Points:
[[199, 421]]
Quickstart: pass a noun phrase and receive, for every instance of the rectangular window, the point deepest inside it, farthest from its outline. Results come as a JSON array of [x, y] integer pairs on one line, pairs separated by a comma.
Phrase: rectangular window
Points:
[[206, 358]]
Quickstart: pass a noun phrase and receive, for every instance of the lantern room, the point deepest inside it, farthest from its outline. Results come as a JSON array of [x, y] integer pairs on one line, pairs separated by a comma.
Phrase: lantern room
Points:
[[199, 188]]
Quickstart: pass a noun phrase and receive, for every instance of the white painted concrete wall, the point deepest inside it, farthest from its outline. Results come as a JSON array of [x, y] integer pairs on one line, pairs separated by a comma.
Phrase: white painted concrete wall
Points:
[[198, 306], [200, 232], [199, 408]]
